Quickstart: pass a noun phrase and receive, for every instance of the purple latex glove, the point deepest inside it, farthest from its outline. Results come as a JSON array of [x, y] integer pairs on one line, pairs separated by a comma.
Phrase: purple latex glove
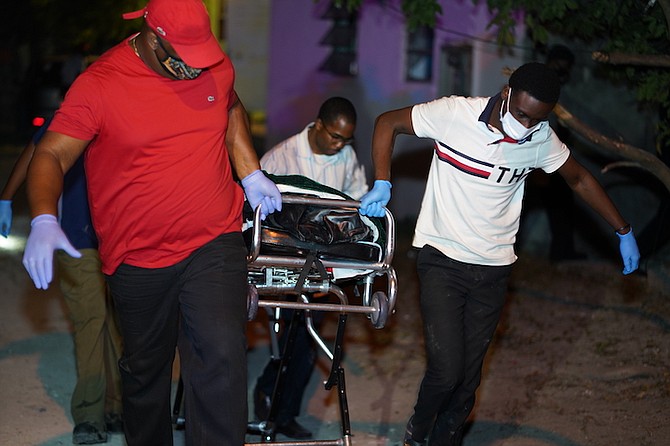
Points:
[[373, 203], [260, 190], [629, 252], [45, 237], [5, 217]]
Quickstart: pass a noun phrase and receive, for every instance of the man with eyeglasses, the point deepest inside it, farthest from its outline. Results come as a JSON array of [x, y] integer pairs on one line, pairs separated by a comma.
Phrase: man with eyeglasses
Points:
[[161, 129], [322, 152]]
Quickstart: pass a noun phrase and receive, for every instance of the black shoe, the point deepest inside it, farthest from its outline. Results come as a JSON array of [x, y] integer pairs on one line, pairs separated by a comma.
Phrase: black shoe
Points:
[[114, 423], [293, 429], [409, 440], [262, 404], [87, 433]]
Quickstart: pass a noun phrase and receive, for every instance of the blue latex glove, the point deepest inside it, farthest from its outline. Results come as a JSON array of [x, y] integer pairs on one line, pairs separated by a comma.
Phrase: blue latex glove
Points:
[[259, 189], [374, 202], [45, 237], [629, 252], [5, 217]]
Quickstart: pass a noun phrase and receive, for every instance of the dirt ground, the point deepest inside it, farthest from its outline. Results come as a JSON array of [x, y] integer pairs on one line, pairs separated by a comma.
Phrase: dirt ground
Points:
[[581, 357]]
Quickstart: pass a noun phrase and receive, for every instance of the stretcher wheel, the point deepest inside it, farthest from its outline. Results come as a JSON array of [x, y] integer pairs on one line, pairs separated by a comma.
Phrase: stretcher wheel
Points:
[[380, 302], [252, 302]]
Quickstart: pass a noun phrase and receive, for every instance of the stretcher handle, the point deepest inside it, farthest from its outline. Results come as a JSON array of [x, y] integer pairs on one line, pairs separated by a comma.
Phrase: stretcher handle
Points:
[[317, 201]]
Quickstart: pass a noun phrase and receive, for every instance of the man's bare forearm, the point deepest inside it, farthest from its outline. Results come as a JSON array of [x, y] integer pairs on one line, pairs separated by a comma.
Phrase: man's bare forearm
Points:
[[238, 140], [54, 155], [44, 185]]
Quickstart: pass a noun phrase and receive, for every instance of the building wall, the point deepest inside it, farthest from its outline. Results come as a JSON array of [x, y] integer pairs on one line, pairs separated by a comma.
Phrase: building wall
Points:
[[247, 42]]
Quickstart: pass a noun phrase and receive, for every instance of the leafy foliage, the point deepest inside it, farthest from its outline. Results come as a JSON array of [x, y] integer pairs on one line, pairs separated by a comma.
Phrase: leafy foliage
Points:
[[420, 12], [417, 12], [625, 26]]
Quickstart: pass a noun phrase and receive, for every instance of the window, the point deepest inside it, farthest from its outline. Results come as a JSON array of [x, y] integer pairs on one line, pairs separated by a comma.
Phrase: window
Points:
[[456, 70], [420, 55], [342, 39]]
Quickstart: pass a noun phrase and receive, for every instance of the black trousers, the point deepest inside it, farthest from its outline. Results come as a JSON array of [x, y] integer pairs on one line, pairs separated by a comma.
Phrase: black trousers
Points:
[[460, 306], [199, 305], [298, 371]]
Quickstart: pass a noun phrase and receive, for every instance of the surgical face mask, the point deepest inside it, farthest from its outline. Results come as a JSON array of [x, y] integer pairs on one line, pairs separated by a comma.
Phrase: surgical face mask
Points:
[[513, 128], [177, 67]]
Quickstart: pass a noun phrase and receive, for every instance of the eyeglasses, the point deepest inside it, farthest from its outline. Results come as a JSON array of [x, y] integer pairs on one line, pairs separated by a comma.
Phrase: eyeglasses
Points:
[[339, 138]]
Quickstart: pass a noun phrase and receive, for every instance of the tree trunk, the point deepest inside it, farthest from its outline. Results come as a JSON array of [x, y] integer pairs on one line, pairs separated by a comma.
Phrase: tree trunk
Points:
[[640, 157]]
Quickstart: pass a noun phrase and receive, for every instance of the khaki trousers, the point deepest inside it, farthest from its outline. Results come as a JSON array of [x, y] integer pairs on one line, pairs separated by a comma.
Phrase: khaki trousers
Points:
[[96, 335]]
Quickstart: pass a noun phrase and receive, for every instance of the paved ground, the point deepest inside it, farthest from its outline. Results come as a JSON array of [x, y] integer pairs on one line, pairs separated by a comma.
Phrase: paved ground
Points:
[[581, 357]]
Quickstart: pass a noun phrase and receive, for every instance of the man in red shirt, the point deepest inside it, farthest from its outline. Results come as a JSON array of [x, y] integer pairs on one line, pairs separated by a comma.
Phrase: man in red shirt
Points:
[[161, 129]]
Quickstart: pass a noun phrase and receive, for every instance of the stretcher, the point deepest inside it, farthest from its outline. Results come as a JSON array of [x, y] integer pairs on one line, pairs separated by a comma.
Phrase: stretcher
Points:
[[286, 270]]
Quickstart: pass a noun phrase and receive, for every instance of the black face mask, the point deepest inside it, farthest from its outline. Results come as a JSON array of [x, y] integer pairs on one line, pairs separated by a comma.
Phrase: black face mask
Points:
[[177, 67]]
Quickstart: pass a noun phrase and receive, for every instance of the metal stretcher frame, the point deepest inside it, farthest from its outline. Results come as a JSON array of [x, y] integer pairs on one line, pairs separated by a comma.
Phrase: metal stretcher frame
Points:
[[378, 306], [383, 267]]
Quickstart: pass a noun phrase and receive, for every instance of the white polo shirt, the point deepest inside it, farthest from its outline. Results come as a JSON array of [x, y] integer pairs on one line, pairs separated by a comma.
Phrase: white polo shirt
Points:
[[294, 156], [472, 204]]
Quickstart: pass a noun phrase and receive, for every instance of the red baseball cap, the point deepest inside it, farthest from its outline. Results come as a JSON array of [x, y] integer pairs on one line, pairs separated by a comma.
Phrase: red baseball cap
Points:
[[185, 24]]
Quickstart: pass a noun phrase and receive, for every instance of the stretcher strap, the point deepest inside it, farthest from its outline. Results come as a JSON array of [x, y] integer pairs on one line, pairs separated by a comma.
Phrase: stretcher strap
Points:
[[310, 260]]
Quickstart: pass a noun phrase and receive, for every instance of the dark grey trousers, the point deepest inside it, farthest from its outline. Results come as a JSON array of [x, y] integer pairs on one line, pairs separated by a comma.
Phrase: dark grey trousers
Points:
[[460, 306]]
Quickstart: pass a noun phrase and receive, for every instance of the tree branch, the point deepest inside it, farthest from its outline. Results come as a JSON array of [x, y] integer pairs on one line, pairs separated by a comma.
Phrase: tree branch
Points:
[[644, 159], [631, 59]]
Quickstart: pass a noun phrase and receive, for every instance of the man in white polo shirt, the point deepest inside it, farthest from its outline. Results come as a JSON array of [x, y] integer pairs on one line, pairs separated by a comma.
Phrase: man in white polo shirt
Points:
[[484, 150]]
